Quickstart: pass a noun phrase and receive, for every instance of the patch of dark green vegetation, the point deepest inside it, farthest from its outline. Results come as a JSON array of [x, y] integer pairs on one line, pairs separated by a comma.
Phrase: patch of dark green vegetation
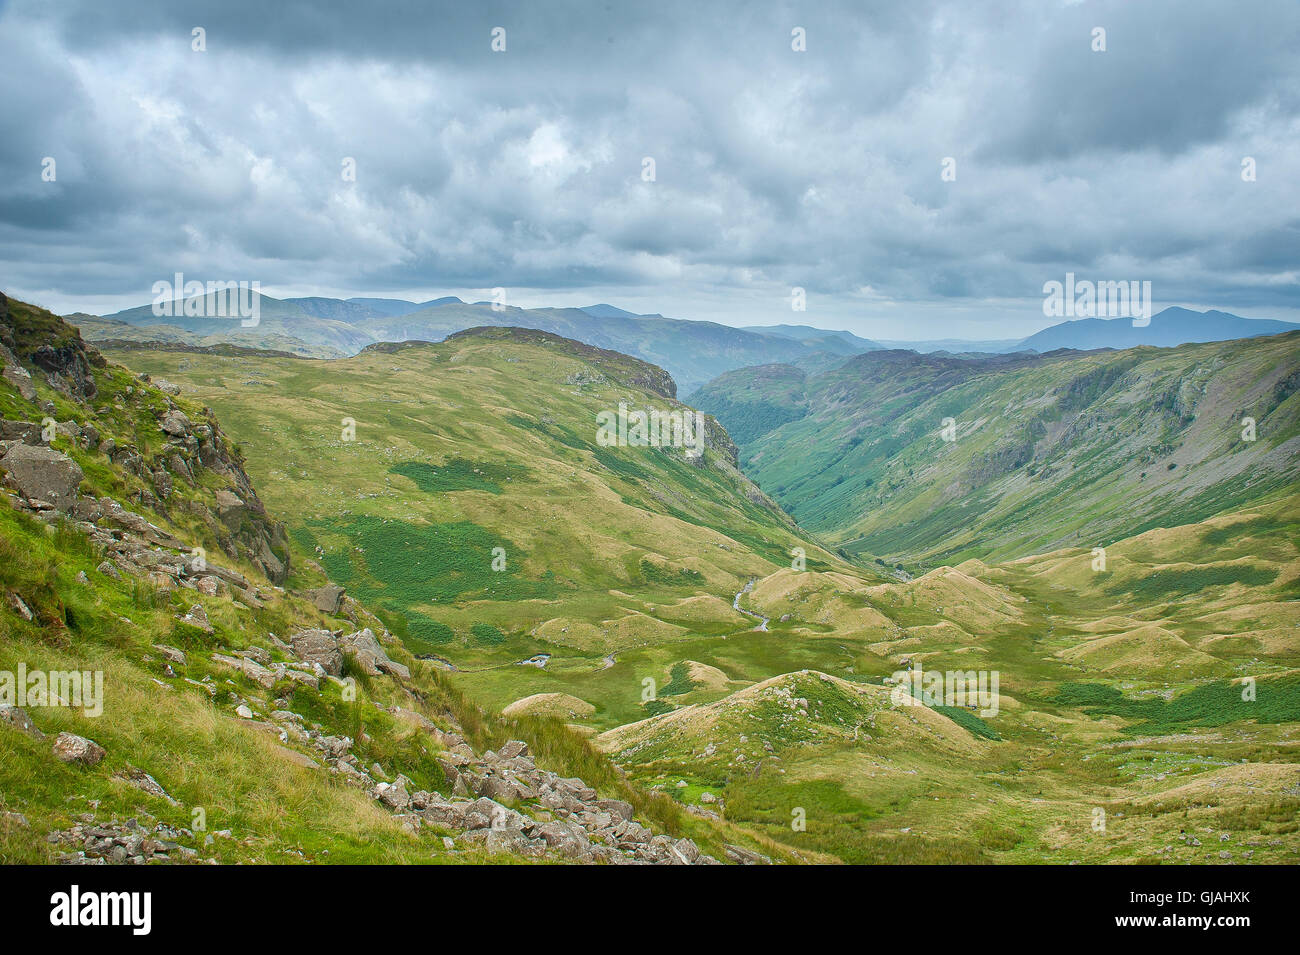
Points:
[[657, 707], [1163, 584], [679, 681], [1212, 704], [403, 564], [458, 474], [968, 721], [1255, 527], [486, 635], [747, 421]]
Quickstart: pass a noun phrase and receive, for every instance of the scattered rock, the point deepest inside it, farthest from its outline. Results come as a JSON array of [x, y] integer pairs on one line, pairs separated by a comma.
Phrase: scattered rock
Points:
[[17, 718], [71, 748]]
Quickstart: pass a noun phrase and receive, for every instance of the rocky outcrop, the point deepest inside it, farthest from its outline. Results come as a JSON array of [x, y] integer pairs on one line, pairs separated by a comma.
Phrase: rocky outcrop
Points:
[[320, 648], [563, 816], [370, 655]]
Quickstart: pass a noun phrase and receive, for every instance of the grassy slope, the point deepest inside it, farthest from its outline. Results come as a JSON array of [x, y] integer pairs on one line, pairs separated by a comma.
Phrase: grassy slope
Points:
[[1051, 451]]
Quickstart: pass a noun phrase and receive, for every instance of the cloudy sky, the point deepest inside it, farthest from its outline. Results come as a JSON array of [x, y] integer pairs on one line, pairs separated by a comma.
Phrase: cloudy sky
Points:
[[773, 168]]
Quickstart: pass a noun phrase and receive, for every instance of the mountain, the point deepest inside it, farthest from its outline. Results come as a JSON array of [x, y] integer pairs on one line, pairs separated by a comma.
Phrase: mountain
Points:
[[332, 308], [1172, 326], [835, 342], [608, 311], [1059, 449], [693, 352], [954, 346], [395, 306]]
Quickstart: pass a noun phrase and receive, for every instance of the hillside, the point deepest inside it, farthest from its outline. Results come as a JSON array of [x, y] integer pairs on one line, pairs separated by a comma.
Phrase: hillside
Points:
[[227, 684], [1061, 449], [1147, 712]]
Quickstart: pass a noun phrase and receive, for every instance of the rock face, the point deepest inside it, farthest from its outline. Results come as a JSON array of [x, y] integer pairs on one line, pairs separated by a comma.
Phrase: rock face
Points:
[[43, 474], [71, 748]]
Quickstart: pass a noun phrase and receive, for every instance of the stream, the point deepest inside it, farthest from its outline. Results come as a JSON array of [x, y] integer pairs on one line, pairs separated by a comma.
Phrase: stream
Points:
[[735, 605]]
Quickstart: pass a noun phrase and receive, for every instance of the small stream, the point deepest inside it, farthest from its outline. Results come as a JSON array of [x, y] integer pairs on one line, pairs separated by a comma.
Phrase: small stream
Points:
[[735, 605]]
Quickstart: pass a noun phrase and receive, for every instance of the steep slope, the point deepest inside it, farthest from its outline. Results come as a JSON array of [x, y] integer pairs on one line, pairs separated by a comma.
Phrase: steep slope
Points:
[[835, 342], [164, 699], [1167, 328], [1048, 450]]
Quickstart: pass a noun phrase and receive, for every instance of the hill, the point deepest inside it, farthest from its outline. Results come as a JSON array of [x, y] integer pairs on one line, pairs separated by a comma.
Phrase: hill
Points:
[[1051, 450]]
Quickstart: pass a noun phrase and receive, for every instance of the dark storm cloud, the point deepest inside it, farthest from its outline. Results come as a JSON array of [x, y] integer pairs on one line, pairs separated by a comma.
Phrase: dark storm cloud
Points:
[[773, 168]]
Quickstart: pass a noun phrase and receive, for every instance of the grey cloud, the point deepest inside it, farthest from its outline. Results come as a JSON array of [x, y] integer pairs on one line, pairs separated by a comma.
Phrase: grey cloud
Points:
[[774, 168]]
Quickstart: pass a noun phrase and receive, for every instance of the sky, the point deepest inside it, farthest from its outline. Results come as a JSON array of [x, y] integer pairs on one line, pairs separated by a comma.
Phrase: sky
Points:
[[920, 169]]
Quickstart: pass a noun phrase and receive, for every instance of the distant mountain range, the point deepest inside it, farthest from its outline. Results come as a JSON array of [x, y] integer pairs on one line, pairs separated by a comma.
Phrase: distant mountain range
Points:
[[694, 352], [1173, 326]]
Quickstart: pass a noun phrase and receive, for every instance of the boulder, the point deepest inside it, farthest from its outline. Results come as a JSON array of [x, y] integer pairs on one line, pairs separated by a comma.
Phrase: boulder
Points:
[[176, 424], [42, 473], [170, 654], [512, 749], [71, 748], [21, 380], [370, 655], [318, 647], [327, 599], [197, 617], [616, 808]]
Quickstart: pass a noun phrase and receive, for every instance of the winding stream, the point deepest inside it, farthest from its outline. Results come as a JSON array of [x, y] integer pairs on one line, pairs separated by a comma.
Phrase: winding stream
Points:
[[735, 605]]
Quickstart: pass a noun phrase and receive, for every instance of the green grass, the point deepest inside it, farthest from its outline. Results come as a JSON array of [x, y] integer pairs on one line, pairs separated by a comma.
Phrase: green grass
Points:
[[458, 475]]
